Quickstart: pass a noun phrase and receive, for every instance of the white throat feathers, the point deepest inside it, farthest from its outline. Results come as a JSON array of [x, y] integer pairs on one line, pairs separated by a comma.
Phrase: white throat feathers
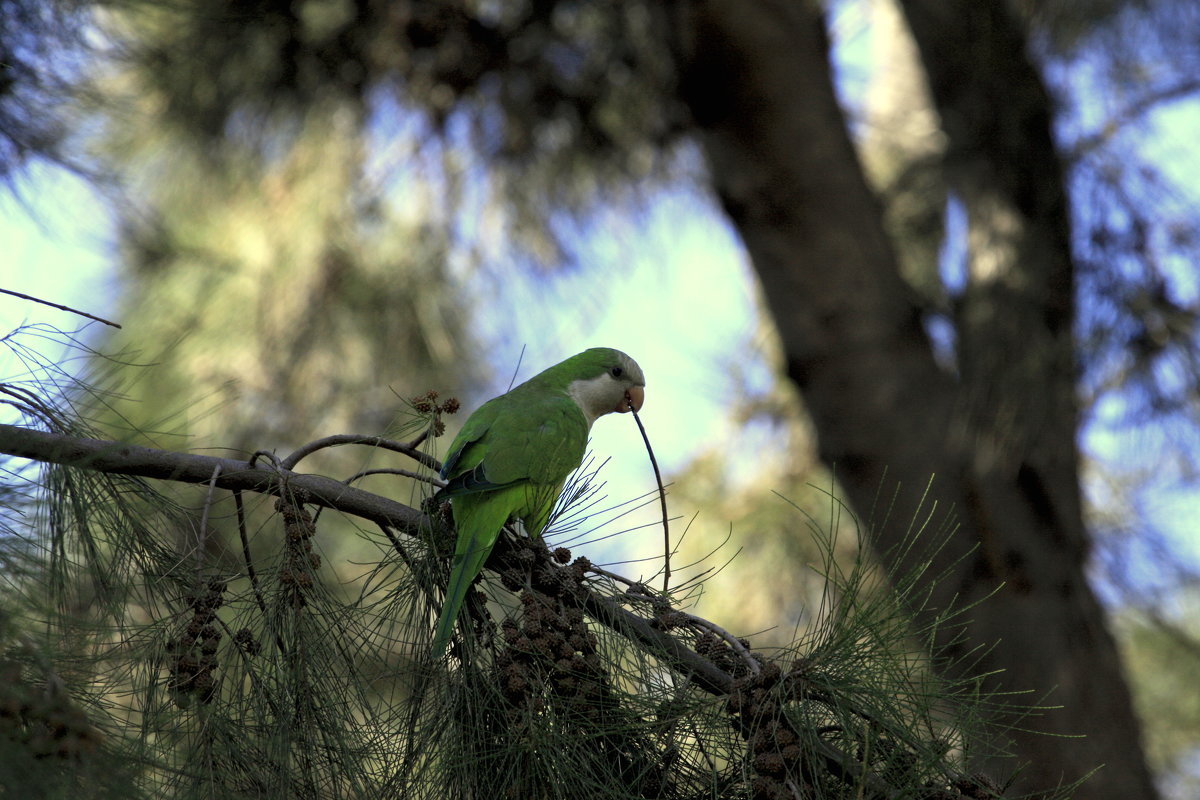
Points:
[[596, 396]]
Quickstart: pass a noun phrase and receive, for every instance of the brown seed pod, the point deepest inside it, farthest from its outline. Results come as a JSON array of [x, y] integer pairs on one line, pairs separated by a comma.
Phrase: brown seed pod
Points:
[[769, 674], [769, 764], [246, 641]]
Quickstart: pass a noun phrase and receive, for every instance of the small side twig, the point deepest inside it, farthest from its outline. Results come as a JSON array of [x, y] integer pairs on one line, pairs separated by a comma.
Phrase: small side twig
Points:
[[416, 476], [662, 499], [409, 449], [59, 307], [404, 473], [420, 438], [202, 534], [250, 571], [266, 455]]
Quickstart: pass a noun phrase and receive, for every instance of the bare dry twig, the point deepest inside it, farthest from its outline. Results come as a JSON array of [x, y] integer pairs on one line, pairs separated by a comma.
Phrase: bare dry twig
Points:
[[59, 307], [410, 449], [662, 499]]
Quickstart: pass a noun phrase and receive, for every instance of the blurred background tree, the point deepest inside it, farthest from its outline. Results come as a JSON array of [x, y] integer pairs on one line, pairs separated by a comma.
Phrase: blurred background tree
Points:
[[971, 265]]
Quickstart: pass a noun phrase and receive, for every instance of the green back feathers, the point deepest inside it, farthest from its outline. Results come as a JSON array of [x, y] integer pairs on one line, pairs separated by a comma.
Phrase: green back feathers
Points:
[[535, 432]]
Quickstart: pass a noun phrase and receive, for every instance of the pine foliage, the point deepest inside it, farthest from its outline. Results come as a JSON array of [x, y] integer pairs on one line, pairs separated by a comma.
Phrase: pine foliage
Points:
[[133, 638]]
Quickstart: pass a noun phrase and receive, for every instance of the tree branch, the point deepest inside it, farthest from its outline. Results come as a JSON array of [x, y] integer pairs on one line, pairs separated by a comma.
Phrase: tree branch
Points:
[[127, 459]]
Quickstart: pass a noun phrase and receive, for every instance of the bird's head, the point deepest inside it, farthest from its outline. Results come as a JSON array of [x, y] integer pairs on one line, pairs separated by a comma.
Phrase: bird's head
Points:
[[605, 380]]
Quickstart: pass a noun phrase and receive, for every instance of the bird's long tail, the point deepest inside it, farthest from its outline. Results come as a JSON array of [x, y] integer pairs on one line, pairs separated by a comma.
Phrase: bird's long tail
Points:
[[462, 575], [478, 520]]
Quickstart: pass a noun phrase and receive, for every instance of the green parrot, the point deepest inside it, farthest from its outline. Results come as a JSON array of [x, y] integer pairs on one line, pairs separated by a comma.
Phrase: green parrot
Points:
[[513, 454]]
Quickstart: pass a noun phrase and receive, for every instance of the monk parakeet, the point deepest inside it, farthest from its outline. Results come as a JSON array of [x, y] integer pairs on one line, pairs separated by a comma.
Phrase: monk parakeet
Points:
[[513, 454]]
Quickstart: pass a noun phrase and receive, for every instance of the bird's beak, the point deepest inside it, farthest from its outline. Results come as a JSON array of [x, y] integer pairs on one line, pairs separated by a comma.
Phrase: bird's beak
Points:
[[632, 401]]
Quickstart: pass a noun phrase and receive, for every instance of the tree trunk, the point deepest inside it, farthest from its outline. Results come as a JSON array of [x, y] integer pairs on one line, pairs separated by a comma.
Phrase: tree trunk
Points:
[[998, 432]]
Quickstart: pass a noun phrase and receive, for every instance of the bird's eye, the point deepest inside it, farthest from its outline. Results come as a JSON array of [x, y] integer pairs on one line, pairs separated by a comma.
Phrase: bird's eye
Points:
[[616, 372]]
